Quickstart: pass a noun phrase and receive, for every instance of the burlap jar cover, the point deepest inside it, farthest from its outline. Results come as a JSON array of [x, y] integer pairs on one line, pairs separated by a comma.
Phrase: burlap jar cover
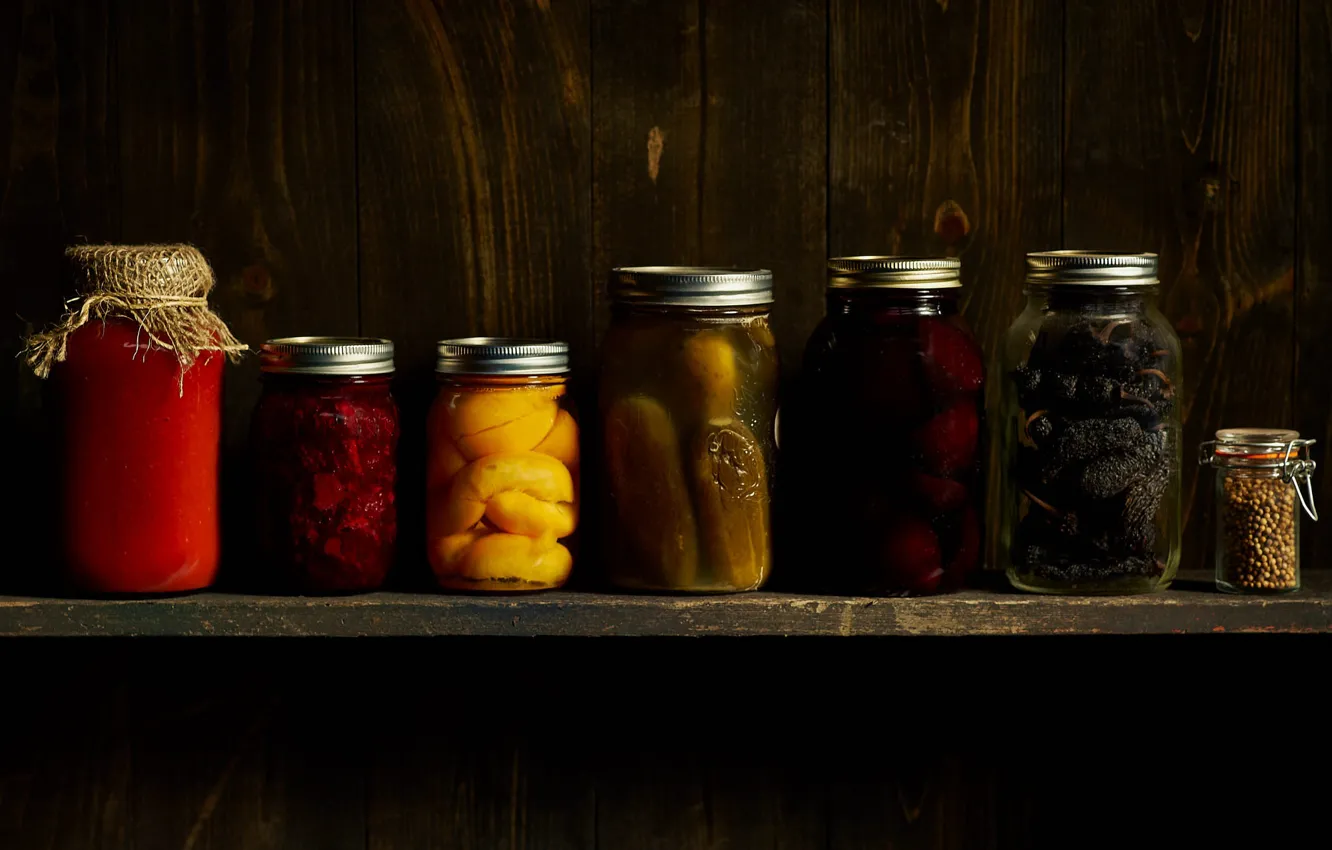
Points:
[[162, 288]]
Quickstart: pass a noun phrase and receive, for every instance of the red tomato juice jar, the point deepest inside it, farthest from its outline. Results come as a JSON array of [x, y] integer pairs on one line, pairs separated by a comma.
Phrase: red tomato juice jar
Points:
[[325, 439], [138, 373]]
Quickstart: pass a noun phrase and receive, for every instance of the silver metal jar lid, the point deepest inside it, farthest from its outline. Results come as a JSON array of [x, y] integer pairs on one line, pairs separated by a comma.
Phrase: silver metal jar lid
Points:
[[888, 272], [691, 286], [327, 355], [1091, 268], [494, 355]]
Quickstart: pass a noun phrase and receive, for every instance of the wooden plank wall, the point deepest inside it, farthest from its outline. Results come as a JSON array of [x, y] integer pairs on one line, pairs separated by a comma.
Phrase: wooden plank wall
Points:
[[419, 169]]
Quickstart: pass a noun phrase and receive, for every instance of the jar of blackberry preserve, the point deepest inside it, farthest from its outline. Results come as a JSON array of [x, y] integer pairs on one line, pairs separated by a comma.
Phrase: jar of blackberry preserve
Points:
[[886, 438], [1088, 432]]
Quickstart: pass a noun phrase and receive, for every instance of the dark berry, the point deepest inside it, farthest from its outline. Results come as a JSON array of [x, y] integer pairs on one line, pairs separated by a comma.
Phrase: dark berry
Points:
[[911, 555]]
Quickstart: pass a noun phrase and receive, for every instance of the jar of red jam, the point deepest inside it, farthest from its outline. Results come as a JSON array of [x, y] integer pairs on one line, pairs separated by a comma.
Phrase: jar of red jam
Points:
[[325, 437], [889, 430], [138, 371]]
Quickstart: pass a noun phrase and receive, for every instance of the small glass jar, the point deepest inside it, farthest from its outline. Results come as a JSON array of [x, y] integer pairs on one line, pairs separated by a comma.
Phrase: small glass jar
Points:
[[890, 429], [1088, 431], [324, 437], [688, 414], [502, 466], [1263, 476]]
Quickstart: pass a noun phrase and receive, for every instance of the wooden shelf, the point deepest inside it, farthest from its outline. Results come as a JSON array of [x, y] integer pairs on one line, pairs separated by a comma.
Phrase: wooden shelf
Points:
[[1191, 607]]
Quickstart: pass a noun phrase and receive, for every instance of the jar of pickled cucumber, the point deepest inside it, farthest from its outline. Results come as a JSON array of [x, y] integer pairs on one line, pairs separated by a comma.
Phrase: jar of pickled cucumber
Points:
[[502, 466], [888, 431], [688, 404], [1089, 432]]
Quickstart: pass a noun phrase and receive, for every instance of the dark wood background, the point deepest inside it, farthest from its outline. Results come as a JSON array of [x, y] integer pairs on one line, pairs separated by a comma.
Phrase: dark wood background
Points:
[[417, 170]]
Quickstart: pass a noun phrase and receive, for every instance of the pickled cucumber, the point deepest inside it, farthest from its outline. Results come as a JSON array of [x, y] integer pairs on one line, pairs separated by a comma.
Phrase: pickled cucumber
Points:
[[649, 492], [710, 360], [731, 490]]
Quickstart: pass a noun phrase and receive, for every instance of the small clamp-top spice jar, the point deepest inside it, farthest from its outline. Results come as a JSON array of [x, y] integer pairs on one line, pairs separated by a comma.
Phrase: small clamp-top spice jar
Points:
[[502, 466], [325, 438], [1263, 477]]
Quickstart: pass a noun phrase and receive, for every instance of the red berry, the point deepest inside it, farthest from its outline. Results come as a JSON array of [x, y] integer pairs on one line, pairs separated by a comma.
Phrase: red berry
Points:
[[952, 357], [947, 443], [941, 494], [911, 555]]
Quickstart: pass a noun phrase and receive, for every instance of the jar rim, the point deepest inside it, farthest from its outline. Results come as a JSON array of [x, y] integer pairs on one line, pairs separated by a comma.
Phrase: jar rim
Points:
[[691, 286], [1075, 267], [887, 271], [494, 355], [326, 355]]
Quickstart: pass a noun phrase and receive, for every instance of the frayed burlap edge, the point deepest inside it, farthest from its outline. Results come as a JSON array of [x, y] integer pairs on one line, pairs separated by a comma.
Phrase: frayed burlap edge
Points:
[[162, 288]]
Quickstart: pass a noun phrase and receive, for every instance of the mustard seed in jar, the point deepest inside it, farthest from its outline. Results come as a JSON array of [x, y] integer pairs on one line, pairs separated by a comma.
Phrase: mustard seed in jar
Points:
[[1262, 480]]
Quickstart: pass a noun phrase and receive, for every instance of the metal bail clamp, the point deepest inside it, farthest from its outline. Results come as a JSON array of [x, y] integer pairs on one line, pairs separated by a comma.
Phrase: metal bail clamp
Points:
[[1299, 472]]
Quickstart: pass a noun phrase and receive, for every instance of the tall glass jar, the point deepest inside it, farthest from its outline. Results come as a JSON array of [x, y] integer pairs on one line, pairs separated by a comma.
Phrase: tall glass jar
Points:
[[138, 369], [502, 466], [890, 424], [1089, 429], [688, 413], [1262, 479], [324, 437]]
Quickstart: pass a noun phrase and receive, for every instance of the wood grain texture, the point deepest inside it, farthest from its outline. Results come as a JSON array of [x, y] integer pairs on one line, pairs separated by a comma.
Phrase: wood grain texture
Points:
[[1192, 608], [945, 139], [1180, 139], [474, 172], [59, 184], [250, 765], [1313, 265], [710, 140]]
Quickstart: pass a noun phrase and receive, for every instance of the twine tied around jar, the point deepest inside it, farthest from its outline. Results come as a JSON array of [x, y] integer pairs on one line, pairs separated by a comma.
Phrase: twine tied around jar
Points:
[[162, 288]]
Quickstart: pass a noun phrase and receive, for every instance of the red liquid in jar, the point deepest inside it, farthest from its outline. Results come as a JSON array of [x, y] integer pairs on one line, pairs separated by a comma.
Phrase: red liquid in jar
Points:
[[141, 463], [888, 445]]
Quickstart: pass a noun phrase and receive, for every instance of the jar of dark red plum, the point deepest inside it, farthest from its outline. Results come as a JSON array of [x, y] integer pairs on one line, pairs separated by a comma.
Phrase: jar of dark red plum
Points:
[[138, 370], [887, 435], [502, 466], [688, 416], [1088, 433], [325, 437]]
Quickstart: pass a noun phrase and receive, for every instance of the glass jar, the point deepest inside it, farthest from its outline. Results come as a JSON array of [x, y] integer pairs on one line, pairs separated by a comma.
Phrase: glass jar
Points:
[[324, 438], [1088, 432], [140, 441], [688, 413], [502, 466], [1262, 476], [889, 428]]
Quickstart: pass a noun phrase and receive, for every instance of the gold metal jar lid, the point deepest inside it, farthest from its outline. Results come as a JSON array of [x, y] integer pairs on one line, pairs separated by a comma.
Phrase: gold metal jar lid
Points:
[[888, 272], [1091, 268], [492, 355], [691, 286], [326, 355]]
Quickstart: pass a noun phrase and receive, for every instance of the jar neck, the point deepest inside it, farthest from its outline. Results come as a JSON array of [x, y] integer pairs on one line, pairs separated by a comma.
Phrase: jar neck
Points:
[[889, 301], [1127, 299], [500, 381], [300, 379], [621, 309]]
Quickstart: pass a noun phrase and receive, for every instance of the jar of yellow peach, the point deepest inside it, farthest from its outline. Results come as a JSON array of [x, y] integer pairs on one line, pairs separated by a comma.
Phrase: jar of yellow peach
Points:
[[688, 403], [502, 474]]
